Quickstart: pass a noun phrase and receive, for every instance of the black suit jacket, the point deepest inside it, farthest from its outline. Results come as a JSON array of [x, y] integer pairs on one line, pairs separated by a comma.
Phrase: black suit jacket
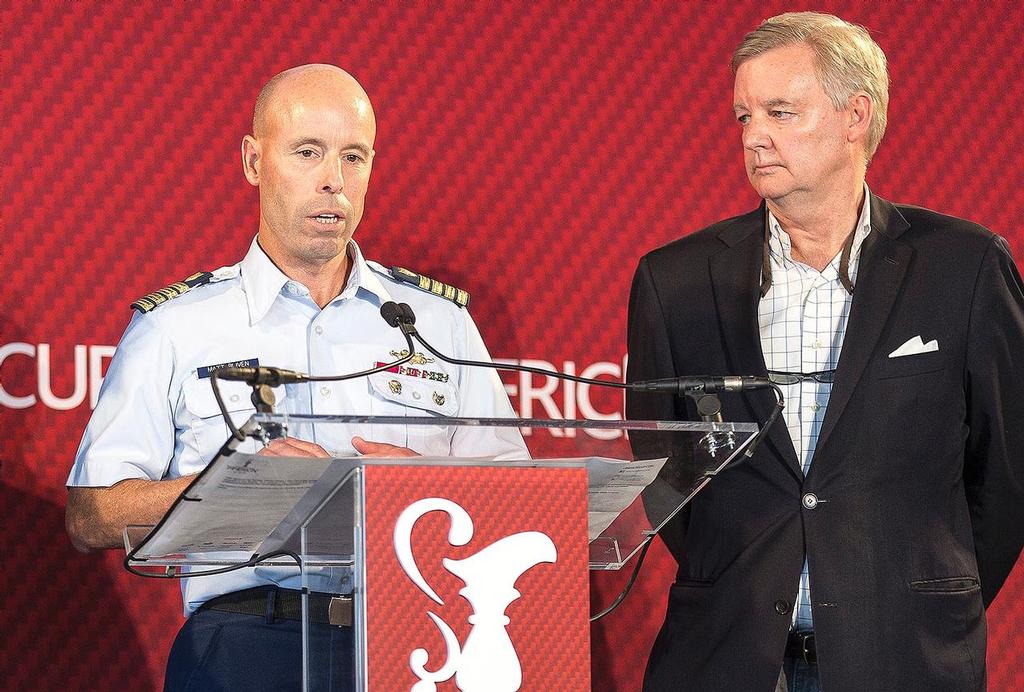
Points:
[[918, 470]]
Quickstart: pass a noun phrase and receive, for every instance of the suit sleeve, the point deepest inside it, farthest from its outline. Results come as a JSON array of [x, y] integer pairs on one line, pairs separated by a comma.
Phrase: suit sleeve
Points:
[[649, 348], [994, 381], [650, 357]]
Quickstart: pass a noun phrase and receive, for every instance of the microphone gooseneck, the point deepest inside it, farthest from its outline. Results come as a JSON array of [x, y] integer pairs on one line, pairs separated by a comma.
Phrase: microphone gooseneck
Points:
[[273, 377], [694, 387]]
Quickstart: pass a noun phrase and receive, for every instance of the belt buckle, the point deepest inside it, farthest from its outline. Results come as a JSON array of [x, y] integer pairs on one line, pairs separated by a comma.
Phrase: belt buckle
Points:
[[808, 652], [339, 611]]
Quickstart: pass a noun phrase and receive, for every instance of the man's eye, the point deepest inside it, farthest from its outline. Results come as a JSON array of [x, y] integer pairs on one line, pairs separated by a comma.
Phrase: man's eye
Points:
[[780, 115], [353, 158], [306, 153], [743, 119]]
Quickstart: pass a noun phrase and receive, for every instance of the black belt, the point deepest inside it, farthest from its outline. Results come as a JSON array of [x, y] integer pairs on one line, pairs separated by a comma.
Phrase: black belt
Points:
[[800, 646], [285, 604]]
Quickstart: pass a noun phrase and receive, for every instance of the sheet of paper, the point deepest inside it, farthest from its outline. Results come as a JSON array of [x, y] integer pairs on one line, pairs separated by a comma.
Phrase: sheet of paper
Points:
[[613, 485], [235, 505]]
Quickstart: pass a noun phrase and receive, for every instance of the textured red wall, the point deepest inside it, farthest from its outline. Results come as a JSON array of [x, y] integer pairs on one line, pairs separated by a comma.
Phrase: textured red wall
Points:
[[530, 152]]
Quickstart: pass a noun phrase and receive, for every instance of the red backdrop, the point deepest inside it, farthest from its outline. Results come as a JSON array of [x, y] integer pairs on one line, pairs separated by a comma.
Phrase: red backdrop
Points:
[[527, 152]]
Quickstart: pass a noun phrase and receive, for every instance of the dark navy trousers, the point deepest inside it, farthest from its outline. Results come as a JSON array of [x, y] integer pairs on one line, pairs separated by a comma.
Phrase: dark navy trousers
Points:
[[217, 651]]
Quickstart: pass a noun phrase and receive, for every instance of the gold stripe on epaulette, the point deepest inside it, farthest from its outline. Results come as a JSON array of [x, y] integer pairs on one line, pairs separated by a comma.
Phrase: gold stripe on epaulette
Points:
[[151, 300], [143, 305], [425, 283]]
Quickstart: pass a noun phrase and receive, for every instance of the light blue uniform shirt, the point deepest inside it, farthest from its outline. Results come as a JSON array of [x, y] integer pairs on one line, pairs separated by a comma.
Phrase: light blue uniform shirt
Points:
[[157, 419]]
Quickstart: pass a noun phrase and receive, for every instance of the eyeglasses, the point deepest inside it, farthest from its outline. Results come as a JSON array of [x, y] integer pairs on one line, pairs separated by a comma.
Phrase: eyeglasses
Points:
[[825, 376]]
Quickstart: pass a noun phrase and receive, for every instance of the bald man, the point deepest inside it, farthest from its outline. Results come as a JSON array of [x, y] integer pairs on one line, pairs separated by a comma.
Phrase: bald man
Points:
[[303, 298]]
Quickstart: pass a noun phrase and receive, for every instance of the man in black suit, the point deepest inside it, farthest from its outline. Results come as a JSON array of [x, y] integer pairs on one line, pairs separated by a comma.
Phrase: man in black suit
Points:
[[859, 547]]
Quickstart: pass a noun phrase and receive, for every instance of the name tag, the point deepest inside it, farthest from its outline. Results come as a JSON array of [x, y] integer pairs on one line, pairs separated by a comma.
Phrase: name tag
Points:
[[205, 371]]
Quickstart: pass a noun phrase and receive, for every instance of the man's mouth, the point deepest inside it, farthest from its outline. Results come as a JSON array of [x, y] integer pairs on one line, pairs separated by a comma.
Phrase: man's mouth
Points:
[[326, 219]]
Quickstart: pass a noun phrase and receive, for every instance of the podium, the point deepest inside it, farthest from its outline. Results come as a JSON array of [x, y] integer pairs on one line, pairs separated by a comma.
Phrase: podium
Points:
[[464, 573]]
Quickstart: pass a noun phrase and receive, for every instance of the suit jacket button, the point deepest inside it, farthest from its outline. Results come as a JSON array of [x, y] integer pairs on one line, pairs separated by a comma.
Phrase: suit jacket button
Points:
[[781, 607], [810, 501]]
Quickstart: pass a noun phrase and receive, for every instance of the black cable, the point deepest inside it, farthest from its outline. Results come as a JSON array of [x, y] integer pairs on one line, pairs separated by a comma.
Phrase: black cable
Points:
[[629, 585], [780, 404], [519, 368], [174, 573], [693, 387]]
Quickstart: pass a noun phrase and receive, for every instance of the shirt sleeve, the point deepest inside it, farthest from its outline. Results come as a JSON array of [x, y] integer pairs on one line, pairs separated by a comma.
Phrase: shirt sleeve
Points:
[[994, 383], [482, 395], [131, 432]]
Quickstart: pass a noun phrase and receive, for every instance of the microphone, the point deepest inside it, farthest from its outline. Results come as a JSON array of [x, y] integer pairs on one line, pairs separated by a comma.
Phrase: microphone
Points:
[[703, 385], [399, 315], [273, 377], [391, 313]]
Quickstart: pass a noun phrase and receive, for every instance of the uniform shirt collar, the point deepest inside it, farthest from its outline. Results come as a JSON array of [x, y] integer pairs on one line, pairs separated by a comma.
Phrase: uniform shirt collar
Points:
[[263, 282]]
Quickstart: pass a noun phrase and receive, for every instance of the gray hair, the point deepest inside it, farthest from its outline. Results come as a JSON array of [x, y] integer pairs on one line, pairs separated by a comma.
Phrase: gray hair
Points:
[[847, 60]]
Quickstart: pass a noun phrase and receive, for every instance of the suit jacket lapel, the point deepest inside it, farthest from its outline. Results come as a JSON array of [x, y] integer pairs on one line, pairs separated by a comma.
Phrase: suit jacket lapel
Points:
[[883, 265], [735, 281]]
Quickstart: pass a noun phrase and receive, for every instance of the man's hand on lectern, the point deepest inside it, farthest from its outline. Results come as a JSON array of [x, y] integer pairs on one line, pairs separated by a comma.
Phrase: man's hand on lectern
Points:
[[380, 449]]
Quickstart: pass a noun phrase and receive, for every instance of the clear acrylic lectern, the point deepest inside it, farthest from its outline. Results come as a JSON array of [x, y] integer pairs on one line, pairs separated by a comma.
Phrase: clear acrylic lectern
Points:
[[250, 509]]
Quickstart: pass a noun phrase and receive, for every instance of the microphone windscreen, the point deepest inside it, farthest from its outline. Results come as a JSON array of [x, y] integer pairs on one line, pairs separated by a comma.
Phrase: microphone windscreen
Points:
[[391, 312], [407, 313]]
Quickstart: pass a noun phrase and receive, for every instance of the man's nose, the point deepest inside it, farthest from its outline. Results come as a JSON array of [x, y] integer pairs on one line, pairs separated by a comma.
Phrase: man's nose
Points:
[[755, 135], [333, 180]]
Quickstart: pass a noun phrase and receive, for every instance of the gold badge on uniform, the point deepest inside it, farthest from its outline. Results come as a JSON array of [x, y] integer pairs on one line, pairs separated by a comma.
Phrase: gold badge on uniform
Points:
[[409, 371], [439, 399], [396, 386], [417, 358]]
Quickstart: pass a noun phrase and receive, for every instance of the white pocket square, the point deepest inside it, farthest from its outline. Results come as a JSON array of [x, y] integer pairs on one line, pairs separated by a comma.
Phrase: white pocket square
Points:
[[914, 346]]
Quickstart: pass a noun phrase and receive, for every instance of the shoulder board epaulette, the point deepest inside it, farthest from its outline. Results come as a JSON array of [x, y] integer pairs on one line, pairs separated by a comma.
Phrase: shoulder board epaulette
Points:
[[156, 298], [425, 283]]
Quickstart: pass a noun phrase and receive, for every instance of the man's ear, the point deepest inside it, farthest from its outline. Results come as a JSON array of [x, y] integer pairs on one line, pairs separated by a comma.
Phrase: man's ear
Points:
[[251, 159], [861, 109]]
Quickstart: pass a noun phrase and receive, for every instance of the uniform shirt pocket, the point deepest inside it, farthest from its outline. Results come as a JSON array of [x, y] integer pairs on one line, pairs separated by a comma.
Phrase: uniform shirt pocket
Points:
[[439, 398], [203, 421], [402, 395]]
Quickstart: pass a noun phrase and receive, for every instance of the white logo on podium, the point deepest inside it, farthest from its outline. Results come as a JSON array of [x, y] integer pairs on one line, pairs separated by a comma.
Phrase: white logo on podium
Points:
[[488, 659]]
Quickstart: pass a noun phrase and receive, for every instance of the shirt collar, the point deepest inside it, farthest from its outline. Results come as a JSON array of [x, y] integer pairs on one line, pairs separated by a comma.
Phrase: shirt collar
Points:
[[363, 278], [845, 264], [263, 282]]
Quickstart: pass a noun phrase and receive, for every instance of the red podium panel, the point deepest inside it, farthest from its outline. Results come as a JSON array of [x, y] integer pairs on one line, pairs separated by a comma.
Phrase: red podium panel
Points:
[[475, 574]]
